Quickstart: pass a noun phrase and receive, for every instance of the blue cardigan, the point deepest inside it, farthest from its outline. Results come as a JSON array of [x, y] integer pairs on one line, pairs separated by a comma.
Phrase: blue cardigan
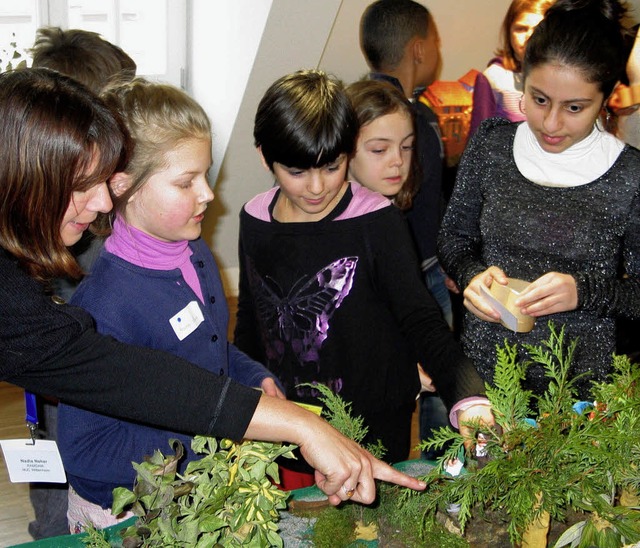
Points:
[[134, 305]]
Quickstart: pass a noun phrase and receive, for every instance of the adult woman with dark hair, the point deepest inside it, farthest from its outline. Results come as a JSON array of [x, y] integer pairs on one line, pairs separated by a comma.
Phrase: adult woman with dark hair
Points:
[[61, 145], [498, 90], [555, 200]]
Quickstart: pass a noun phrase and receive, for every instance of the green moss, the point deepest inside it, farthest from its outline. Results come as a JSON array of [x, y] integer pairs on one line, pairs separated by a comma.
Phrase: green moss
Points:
[[399, 520], [334, 529], [404, 520]]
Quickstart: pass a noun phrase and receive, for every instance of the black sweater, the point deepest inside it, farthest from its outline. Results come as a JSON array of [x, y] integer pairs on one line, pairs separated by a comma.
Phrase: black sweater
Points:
[[53, 350], [341, 302], [498, 217]]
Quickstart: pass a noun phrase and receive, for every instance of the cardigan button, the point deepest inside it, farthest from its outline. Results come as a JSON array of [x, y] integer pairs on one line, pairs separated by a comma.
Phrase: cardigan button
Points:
[[214, 338], [212, 299], [200, 264]]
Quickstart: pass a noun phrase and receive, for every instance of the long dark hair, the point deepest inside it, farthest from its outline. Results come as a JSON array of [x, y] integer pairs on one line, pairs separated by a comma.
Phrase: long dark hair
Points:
[[585, 34], [57, 137]]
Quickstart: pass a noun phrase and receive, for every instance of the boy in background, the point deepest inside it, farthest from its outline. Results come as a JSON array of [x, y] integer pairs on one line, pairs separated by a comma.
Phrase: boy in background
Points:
[[400, 43], [93, 61]]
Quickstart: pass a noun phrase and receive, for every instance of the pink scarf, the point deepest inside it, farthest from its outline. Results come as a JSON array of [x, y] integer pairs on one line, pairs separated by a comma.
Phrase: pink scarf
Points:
[[140, 249]]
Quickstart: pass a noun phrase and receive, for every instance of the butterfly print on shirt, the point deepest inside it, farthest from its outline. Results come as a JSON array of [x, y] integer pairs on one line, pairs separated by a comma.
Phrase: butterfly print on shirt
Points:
[[300, 318]]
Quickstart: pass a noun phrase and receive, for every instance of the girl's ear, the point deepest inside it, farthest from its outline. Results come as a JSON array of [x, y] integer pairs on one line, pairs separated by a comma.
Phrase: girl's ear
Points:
[[264, 162], [119, 183]]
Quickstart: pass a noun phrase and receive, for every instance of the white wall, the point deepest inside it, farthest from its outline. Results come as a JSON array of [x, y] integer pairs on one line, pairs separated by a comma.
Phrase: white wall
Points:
[[239, 47], [224, 40], [294, 36]]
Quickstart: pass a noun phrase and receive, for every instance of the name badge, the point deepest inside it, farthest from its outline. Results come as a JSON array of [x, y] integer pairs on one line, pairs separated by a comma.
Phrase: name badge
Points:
[[33, 462], [187, 320]]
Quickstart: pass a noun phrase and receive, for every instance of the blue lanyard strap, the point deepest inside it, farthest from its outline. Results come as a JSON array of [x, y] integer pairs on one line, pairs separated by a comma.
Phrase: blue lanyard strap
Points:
[[31, 414]]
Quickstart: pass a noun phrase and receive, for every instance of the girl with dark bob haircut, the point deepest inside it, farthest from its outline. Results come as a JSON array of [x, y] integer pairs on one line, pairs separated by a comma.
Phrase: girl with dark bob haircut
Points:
[[330, 286], [305, 121]]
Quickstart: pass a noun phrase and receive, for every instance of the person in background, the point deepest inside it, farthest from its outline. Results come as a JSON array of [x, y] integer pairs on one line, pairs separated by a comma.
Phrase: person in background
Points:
[[92, 61], [401, 45], [554, 201], [68, 143], [83, 55], [330, 286], [498, 90], [624, 104], [153, 258], [622, 118], [384, 158]]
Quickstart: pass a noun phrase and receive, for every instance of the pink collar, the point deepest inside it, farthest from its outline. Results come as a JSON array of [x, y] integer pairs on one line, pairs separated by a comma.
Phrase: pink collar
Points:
[[141, 249]]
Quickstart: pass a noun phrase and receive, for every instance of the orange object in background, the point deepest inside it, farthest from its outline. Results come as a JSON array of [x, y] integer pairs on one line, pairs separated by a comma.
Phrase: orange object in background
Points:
[[452, 102]]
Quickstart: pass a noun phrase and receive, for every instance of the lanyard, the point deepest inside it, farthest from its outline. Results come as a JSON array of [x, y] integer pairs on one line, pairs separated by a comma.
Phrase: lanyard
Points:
[[31, 414]]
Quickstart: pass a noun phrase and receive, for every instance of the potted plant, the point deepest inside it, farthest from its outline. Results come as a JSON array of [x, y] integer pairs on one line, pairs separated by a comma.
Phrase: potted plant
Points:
[[550, 461]]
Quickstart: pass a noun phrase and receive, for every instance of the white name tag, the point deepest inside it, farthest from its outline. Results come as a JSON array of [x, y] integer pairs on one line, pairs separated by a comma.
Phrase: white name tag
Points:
[[29, 462], [187, 320]]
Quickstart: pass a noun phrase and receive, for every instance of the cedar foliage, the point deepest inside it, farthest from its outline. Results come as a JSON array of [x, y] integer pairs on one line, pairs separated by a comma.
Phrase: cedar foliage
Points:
[[566, 456]]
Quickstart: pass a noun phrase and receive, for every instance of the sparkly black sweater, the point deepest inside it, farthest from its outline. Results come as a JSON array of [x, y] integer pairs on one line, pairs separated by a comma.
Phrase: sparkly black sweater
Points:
[[498, 217]]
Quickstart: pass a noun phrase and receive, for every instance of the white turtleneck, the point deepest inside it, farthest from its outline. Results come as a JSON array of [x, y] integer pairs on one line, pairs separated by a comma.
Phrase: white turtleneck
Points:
[[581, 163]]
